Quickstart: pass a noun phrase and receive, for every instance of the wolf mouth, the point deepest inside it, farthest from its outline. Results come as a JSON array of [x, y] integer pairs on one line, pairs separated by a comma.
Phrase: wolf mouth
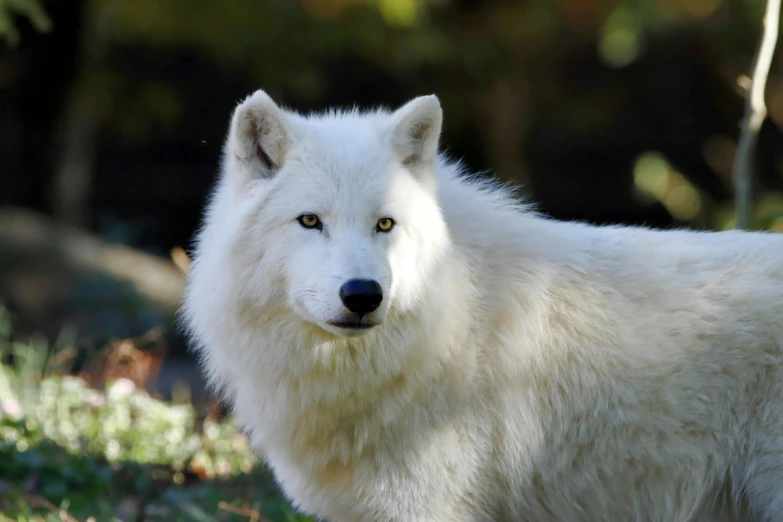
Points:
[[353, 325]]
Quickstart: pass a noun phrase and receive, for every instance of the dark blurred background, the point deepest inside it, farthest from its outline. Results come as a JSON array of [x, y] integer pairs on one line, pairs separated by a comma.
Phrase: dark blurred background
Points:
[[114, 113]]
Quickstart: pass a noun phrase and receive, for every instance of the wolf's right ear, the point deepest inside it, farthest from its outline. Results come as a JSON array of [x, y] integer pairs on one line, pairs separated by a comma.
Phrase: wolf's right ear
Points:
[[259, 135]]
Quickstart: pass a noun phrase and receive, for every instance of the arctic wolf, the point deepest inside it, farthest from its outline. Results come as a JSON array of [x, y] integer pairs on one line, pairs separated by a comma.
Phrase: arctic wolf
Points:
[[405, 342]]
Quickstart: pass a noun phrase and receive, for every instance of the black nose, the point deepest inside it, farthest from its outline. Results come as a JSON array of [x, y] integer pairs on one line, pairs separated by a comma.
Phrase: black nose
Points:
[[361, 296]]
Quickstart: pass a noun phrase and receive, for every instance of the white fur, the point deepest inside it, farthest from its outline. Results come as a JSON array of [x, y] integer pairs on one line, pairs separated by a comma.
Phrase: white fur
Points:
[[523, 369]]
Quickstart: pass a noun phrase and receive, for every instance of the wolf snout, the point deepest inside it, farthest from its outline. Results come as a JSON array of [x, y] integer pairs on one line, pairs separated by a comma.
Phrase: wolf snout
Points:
[[361, 296]]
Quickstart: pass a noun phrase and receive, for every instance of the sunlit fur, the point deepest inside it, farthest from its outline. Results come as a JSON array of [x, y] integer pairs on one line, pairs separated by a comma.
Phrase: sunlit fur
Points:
[[521, 369]]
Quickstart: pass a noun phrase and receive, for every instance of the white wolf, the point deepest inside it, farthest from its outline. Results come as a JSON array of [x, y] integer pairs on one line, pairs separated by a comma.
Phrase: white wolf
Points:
[[405, 343]]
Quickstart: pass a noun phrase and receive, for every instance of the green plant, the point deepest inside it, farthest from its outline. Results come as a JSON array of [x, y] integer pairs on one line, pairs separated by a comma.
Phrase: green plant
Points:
[[71, 452]]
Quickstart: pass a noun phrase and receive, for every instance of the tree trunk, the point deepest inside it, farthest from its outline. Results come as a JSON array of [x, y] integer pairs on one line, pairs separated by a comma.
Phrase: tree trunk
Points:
[[73, 172]]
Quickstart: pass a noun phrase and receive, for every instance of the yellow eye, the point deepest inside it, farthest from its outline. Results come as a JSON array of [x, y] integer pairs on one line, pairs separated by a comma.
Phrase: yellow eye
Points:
[[310, 221], [385, 224]]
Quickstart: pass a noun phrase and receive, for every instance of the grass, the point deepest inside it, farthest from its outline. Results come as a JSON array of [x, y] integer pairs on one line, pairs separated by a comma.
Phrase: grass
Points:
[[70, 452]]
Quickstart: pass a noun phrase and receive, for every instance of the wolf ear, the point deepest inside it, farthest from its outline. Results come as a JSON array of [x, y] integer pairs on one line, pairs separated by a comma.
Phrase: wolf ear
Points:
[[415, 132], [260, 135]]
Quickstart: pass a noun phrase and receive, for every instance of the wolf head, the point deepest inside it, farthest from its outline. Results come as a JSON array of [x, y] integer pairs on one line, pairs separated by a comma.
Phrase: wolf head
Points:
[[331, 220]]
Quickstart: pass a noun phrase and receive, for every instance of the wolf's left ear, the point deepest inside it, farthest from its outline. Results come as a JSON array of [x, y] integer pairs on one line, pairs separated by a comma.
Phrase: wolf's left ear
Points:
[[415, 132]]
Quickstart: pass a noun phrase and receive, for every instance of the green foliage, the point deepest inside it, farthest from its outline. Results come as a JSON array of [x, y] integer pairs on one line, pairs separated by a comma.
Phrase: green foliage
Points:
[[115, 453], [30, 9]]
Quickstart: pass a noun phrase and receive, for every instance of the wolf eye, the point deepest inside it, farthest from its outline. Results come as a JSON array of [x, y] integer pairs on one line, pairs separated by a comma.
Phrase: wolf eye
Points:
[[310, 221], [384, 224]]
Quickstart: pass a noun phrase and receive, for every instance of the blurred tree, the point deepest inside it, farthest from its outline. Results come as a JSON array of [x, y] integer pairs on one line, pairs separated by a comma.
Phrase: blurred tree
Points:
[[755, 114], [77, 130], [36, 75]]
